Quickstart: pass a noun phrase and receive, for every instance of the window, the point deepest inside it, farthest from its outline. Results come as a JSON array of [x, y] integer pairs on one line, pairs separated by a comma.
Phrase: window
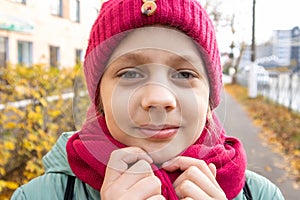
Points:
[[54, 56], [75, 10], [20, 1], [78, 56], [3, 51], [25, 53], [56, 7]]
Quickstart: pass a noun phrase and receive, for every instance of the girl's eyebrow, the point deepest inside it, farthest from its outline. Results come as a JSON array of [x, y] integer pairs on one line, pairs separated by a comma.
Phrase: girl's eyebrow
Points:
[[180, 58], [139, 55], [136, 56], [127, 59], [185, 57], [139, 58]]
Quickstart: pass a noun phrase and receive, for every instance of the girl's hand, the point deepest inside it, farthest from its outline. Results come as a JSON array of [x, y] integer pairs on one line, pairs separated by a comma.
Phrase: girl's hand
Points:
[[198, 181], [129, 176]]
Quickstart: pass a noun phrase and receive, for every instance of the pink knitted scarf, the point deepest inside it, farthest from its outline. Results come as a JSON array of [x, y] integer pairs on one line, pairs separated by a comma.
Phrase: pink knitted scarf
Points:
[[89, 150]]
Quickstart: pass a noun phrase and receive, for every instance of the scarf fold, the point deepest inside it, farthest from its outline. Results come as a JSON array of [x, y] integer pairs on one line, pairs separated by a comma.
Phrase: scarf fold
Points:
[[89, 150]]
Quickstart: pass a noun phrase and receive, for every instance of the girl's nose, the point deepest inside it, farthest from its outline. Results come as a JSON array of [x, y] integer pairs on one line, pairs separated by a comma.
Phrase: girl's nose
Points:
[[158, 96]]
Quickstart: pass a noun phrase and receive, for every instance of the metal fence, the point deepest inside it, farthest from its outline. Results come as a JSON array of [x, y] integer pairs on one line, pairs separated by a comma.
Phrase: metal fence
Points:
[[283, 88]]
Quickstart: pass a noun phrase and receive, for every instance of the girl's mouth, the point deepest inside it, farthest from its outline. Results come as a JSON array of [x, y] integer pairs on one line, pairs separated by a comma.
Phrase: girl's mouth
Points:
[[161, 132]]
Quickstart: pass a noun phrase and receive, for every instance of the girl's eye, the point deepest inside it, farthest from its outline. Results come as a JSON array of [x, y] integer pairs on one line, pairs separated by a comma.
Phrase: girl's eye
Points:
[[183, 75], [130, 74]]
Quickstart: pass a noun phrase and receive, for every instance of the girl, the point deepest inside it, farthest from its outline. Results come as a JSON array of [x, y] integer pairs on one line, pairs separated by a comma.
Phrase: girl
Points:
[[154, 78]]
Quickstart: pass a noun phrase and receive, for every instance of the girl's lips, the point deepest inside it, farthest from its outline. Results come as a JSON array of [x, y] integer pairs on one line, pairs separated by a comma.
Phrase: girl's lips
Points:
[[159, 132]]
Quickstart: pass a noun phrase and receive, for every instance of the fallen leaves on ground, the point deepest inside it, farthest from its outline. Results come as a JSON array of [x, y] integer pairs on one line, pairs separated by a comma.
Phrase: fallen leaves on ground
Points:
[[280, 126]]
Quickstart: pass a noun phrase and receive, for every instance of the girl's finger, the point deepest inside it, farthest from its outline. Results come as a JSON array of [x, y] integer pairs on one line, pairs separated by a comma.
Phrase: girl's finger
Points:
[[213, 169], [145, 188], [138, 182], [183, 163], [126, 167], [157, 197], [133, 175], [199, 179], [189, 190], [121, 159]]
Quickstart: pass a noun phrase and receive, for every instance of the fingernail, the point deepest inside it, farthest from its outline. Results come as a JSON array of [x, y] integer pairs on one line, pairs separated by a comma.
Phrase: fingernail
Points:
[[148, 159], [167, 163]]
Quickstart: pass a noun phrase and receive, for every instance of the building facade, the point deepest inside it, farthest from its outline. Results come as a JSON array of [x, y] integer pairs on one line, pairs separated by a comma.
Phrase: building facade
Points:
[[51, 32], [281, 42], [282, 50]]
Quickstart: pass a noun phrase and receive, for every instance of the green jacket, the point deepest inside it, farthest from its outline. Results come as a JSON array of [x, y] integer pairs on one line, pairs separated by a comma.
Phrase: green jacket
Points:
[[52, 185]]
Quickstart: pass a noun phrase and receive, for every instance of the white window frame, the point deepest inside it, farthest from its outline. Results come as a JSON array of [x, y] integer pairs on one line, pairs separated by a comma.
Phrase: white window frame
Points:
[[54, 60], [19, 1], [78, 56], [3, 51], [25, 53], [56, 7], [74, 10]]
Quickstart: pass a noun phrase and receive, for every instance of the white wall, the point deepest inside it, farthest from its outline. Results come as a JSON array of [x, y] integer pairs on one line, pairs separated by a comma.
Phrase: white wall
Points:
[[49, 29]]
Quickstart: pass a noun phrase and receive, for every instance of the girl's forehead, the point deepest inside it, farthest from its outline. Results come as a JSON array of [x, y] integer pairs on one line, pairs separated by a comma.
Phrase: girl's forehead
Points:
[[160, 38]]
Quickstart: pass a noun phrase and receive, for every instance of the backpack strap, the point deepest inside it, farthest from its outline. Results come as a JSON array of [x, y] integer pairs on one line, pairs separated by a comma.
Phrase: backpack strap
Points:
[[85, 190], [70, 188], [247, 191], [71, 182]]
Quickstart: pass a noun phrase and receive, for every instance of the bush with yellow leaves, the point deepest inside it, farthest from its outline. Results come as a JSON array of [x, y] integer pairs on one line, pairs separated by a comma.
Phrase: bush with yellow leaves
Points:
[[30, 127]]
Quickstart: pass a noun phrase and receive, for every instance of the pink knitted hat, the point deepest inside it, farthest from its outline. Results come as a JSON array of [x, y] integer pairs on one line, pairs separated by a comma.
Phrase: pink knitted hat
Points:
[[118, 16]]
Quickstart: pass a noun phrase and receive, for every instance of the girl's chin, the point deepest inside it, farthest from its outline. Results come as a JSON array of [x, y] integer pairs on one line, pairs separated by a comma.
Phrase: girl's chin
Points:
[[161, 157], [161, 152]]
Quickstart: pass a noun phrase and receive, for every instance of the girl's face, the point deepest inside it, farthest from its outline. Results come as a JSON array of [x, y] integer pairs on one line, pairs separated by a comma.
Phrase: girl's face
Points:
[[155, 92]]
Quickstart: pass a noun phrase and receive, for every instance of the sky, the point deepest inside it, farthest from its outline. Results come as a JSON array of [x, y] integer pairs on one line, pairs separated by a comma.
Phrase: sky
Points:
[[270, 15]]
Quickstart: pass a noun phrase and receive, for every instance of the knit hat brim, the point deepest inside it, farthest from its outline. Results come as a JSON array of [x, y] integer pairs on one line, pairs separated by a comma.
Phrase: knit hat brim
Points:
[[117, 17]]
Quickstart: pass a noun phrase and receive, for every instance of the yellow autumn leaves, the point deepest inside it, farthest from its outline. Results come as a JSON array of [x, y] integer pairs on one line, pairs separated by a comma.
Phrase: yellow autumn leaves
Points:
[[32, 115]]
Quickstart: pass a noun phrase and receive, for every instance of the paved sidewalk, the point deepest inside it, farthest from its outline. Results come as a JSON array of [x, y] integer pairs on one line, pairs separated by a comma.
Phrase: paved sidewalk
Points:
[[260, 157]]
